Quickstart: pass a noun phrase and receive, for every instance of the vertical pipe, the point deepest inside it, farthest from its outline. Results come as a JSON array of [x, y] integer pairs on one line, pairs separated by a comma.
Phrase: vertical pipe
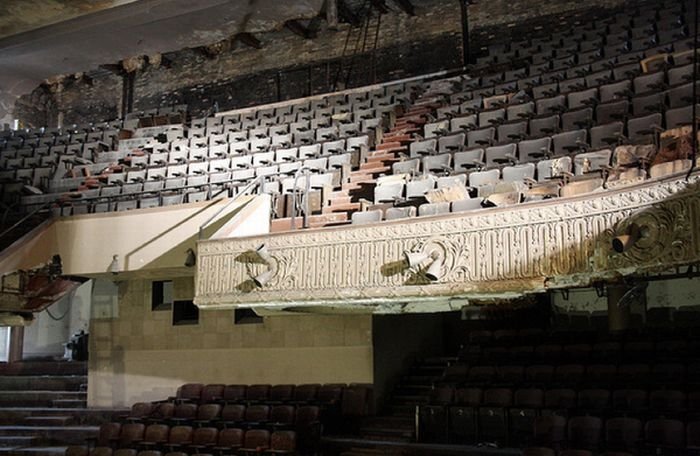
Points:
[[466, 53], [694, 140]]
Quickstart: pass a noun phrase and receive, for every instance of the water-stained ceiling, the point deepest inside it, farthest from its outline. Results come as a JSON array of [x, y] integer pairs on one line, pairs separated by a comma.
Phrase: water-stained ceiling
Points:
[[43, 38]]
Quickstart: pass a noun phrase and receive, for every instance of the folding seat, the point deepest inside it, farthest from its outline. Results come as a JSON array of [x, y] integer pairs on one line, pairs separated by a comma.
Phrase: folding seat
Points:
[[466, 205], [572, 85], [577, 119], [458, 180], [606, 135], [539, 374], [154, 436], [568, 142], [282, 416], [234, 393], [549, 106], [389, 192], [568, 374], [667, 402], [681, 95], [484, 182], [468, 160], [437, 164], [492, 117], [472, 106], [585, 432], [108, 434], [499, 155], [139, 411], [255, 441], [480, 138], [463, 123], [664, 436], [534, 149], [560, 401], [366, 217], [526, 406], [184, 413], [207, 414], [451, 143], [257, 393], [422, 148], [232, 415], [436, 128], [481, 375], [306, 393], [417, 188], [647, 104], [544, 126], [492, 415], [510, 374], [615, 91], [411, 166], [162, 412], [433, 421], [679, 117], [593, 401], [600, 374], [433, 209], [652, 82], [613, 111], [550, 431], [680, 75], [667, 374], [582, 99], [512, 131], [623, 434], [519, 173], [256, 415]]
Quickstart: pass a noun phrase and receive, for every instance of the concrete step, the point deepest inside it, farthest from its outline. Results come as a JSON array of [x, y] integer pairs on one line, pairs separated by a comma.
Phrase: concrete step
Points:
[[43, 368], [12, 441], [35, 451], [388, 145], [413, 399], [340, 200], [39, 398], [50, 435], [65, 420], [346, 207], [70, 403], [84, 416], [42, 383]]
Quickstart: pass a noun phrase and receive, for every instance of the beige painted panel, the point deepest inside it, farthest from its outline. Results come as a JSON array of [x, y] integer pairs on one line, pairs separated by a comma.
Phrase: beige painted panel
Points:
[[155, 374], [151, 239], [140, 355]]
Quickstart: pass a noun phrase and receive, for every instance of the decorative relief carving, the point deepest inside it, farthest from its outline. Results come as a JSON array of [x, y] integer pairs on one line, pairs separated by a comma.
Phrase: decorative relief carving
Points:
[[495, 252]]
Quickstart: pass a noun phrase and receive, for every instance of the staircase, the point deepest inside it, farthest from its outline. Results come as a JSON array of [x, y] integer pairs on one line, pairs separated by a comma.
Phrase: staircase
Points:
[[394, 431], [43, 408], [361, 182]]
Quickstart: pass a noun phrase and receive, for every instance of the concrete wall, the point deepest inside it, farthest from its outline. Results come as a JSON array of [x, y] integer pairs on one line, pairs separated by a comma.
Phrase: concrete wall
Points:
[[4, 343], [139, 355]]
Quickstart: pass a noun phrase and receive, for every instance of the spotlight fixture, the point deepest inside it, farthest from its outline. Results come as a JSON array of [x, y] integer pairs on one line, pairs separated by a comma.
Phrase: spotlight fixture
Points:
[[114, 265], [417, 259], [261, 279], [264, 277], [626, 240], [191, 258], [263, 254]]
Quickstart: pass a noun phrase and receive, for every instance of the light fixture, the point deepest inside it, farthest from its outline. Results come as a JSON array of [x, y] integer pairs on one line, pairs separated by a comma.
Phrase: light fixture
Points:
[[263, 254], [114, 265], [417, 259], [626, 240], [261, 279], [191, 258]]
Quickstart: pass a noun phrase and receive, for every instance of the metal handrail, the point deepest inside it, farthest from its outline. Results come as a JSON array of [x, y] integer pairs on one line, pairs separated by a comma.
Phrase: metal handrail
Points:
[[257, 182]]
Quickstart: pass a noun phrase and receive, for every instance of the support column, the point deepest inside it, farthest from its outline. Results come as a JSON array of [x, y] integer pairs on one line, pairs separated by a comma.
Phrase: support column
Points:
[[16, 344], [332, 13], [466, 51], [620, 301]]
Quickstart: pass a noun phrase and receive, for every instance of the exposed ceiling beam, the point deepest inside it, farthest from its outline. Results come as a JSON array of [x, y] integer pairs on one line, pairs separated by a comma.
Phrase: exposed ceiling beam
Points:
[[407, 6], [115, 68], [296, 27], [249, 40]]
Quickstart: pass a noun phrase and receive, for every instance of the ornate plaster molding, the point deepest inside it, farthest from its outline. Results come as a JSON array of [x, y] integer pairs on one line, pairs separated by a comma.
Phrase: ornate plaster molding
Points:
[[501, 252]]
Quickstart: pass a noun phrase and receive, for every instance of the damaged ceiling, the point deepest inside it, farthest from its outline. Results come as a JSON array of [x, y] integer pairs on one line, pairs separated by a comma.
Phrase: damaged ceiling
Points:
[[79, 35]]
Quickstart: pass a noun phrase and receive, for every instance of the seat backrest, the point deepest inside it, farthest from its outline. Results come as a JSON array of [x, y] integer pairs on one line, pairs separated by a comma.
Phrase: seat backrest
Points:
[[284, 441], [257, 438], [365, 217]]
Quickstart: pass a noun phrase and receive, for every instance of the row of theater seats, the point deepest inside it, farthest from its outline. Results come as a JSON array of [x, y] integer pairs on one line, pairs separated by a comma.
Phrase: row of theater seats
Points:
[[223, 416], [135, 439], [522, 427], [605, 375]]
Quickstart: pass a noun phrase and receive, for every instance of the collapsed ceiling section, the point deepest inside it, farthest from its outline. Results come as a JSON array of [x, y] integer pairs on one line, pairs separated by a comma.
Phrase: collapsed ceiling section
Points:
[[122, 29]]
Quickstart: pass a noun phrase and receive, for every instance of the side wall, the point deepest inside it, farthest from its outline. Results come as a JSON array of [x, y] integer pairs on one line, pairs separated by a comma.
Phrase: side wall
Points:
[[139, 355]]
